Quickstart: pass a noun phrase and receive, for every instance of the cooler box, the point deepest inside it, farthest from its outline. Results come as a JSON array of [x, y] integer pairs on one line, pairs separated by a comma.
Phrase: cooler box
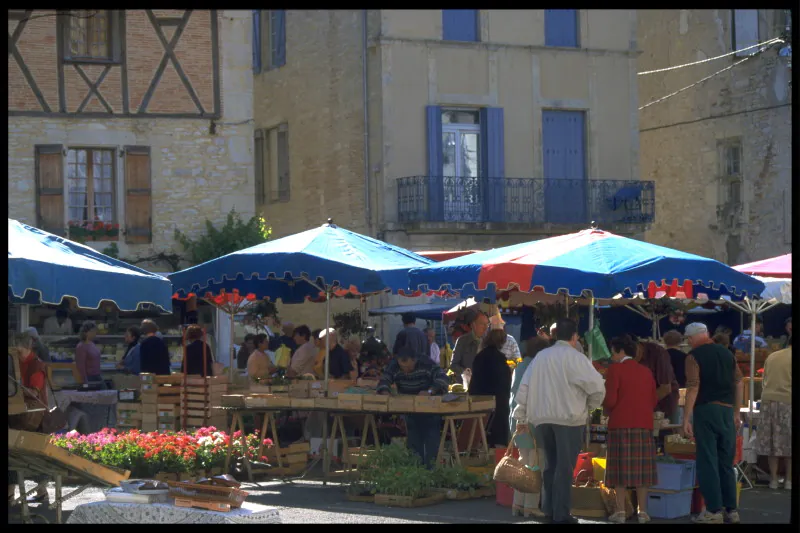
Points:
[[504, 493], [678, 476], [669, 504]]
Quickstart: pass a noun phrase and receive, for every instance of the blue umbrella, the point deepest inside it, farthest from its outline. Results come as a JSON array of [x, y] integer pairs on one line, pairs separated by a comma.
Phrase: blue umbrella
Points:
[[325, 261], [44, 268]]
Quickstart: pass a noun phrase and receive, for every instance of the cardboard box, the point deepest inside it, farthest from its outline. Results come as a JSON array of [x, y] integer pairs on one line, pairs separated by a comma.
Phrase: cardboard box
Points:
[[129, 407], [377, 398], [128, 395], [168, 426], [259, 389], [335, 386], [302, 403], [367, 383], [148, 418], [350, 402], [149, 397], [196, 421], [401, 404], [171, 407], [671, 448], [148, 427], [481, 403], [124, 418], [326, 403], [147, 378]]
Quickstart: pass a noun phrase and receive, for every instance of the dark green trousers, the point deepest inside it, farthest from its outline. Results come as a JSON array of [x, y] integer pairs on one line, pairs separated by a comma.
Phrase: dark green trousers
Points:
[[715, 435]]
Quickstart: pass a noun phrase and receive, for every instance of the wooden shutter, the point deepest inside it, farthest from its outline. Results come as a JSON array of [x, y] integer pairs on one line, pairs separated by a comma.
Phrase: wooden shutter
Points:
[[50, 188], [282, 151], [561, 27], [745, 31], [278, 34], [460, 25], [493, 152], [259, 163], [433, 116], [138, 195], [256, 41]]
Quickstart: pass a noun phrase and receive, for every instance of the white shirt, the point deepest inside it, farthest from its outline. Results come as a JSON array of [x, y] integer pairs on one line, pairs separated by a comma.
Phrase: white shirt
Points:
[[511, 349], [435, 353], [51, 326], [559, 387]]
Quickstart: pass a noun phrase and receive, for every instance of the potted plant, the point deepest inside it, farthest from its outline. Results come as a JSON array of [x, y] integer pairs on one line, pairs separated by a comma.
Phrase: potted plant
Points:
[[458, 483]]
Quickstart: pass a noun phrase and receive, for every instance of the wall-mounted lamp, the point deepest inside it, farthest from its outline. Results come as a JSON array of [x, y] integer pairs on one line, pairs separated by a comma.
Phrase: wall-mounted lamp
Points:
[[212, 128]]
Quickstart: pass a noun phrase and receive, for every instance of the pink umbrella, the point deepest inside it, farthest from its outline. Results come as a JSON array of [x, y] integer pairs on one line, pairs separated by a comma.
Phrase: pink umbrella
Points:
[[776, 267]]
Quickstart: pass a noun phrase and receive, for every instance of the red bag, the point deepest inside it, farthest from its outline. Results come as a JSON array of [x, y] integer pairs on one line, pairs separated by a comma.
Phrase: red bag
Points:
[[583, 468]]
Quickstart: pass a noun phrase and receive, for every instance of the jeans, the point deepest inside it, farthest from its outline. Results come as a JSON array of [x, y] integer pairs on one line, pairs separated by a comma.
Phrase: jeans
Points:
[[424, 433], [561, 446], [716, 447]]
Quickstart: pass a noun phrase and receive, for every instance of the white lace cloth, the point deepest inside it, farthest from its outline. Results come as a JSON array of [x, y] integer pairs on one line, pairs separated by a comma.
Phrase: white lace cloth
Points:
[[99, 397], [161, 513]]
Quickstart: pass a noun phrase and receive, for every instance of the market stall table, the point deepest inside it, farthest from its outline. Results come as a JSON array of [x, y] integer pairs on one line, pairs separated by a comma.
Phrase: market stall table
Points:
[[99, 405], [106, 512]]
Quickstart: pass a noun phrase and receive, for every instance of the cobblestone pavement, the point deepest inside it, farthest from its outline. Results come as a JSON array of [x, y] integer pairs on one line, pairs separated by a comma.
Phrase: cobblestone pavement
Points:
[[312, 502]]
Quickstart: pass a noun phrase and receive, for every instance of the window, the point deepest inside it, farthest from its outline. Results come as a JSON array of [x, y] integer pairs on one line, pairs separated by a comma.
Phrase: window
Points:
[[272, 183], [561, 28], [460, 25], [731, 198], [745, 31], [90, 185], [269, 39], [461, 143], [88, 34]]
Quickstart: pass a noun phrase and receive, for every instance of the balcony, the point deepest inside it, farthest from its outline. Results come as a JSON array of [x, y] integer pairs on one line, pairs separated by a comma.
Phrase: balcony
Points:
[[525, 201]]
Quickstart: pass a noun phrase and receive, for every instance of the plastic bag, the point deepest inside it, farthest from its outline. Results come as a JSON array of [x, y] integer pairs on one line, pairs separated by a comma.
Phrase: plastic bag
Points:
[[283, 356], [595, 339]]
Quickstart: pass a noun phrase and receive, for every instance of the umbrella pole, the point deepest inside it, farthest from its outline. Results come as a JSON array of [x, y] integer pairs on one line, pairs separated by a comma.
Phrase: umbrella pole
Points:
[[327, 336], [591, 324], [232, 352], [752, 357]]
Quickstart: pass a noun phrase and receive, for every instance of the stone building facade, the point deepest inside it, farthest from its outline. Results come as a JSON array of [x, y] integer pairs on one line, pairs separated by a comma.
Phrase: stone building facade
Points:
[[448, 129], [141, 118], [720, 152]]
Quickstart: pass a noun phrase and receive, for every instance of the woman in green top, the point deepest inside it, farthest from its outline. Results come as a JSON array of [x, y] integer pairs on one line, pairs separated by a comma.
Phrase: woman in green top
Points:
[[525, 504]]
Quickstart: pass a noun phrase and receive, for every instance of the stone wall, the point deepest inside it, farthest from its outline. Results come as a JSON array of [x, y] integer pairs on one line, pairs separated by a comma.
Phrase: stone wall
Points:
[[195, 174], [680, 136]]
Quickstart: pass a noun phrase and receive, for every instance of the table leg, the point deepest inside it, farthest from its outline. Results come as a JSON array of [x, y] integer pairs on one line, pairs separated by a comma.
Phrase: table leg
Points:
[[58, 499], [245, 459], [326, 461], [453, 434], [275, 442], [442, 440], [234, 422], [474, 425], [262, 436], [484, 437], [345, 451], [375, 435], [362, 448], [25, 511]]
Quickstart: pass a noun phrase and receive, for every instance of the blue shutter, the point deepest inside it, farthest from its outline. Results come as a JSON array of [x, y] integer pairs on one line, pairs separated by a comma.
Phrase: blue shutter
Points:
[[433, 116], [279, 35], [564, 159], [561, 27], [256, 41], [460, 24], [494, 162]]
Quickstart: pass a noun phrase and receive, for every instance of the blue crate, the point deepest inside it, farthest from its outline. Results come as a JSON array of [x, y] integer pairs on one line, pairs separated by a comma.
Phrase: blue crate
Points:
[[675, 476], [669, 504]]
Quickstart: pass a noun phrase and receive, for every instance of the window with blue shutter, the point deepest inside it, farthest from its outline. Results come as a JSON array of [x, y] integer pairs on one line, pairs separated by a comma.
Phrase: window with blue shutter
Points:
[[561, 27], [564, 161], [433, 119], [277, 45], [494, 166], [460, 25], [256, 41]]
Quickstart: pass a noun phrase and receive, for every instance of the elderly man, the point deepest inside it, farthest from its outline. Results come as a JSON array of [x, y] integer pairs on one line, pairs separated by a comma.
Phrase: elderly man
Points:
[[713, 397], [467, 345], [555, 395], [433, 348], [551, 337], [340, 366]]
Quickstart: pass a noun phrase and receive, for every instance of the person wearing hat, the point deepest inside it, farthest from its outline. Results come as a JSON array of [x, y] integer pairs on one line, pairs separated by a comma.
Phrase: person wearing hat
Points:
[[491, 376], [711, 416], [415, 375]]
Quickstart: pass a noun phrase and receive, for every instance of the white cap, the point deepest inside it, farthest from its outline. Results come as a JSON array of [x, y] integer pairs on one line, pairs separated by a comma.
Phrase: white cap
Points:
[[695, 328]]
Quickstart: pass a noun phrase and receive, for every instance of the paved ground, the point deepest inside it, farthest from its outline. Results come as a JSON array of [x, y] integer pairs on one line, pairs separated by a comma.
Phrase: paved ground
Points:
[[306, 502]]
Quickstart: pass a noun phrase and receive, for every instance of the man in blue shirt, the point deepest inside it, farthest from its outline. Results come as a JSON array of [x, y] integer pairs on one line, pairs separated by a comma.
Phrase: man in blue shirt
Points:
[[742, 342], [412, 337]]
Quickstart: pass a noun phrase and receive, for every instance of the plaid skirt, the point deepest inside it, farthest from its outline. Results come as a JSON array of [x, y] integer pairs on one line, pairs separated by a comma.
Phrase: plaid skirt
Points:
[[631, 460]]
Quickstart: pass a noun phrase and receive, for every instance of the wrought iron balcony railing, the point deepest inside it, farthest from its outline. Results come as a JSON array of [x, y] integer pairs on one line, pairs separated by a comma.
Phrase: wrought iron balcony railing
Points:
[[525, 200]]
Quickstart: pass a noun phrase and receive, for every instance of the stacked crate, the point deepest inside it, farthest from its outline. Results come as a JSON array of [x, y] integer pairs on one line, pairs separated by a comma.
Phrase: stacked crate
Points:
[[129, 415], [294, 459], [198, 398], [161, 396]]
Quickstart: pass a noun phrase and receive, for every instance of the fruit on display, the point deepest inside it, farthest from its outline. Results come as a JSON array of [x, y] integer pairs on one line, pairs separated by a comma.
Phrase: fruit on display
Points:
[[456, 387]]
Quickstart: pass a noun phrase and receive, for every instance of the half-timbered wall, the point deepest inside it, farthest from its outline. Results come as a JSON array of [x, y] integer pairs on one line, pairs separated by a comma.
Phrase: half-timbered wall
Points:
[[143, 62], [164, 168]]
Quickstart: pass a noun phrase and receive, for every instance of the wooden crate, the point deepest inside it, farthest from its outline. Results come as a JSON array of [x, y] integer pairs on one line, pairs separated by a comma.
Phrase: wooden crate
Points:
[[166, 408], [150, 418], [299, 389], [481, 403], [336, 386], [301, 403], [257, 388], [172, 379], [406, 501], [350, 402], [39, 444], [326, 403], [282, 389], [678, 448], [360, 499], [367, 383], [267, 400], [401, 404], [129, 407], [149, 408], [427, 404], [147, 378], [458, 406], [375, 407], [129, 420]]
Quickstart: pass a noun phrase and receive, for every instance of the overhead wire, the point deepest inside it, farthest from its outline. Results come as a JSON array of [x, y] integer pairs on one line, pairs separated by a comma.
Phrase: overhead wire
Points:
[[765, 43]]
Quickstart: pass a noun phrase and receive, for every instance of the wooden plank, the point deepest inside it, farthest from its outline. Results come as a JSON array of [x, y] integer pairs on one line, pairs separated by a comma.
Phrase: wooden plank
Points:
[[50, 188]]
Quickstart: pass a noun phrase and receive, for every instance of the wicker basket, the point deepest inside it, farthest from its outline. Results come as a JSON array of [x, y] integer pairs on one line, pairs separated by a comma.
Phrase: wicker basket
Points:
[[194, 491], [515, 474]]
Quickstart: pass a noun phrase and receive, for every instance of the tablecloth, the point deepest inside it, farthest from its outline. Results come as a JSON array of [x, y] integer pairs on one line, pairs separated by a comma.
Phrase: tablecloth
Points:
[[99, 397], [105, 512], [99, 406]]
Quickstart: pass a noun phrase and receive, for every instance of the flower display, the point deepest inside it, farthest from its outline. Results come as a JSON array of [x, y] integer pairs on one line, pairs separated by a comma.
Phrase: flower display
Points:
[[512, 363], [146, 454], [96, 230]]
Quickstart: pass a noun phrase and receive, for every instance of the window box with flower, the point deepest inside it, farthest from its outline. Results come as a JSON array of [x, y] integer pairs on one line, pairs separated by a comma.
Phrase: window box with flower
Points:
[[97, 230]]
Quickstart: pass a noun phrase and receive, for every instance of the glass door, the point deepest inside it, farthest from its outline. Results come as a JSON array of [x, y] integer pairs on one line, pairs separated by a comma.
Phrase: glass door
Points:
[[461, 166]]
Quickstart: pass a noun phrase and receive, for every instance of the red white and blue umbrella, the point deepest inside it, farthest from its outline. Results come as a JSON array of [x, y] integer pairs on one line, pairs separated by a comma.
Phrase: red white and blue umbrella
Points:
[[592, 263]]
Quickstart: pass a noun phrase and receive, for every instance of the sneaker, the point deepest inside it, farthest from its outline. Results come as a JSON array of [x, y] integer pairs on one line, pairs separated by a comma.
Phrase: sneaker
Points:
[[709, 518], [732, 517], [618, 518], [787, 485], [568, 520], [773, 485], [643, 518]]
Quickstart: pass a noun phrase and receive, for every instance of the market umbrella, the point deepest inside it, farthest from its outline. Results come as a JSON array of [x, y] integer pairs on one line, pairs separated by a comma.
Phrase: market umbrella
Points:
[[316, 265], [775, 267], [44, 268]]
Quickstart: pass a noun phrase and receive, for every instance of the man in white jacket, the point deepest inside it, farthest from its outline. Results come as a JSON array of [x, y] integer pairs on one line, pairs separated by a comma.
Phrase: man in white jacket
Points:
[[557, 391]]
